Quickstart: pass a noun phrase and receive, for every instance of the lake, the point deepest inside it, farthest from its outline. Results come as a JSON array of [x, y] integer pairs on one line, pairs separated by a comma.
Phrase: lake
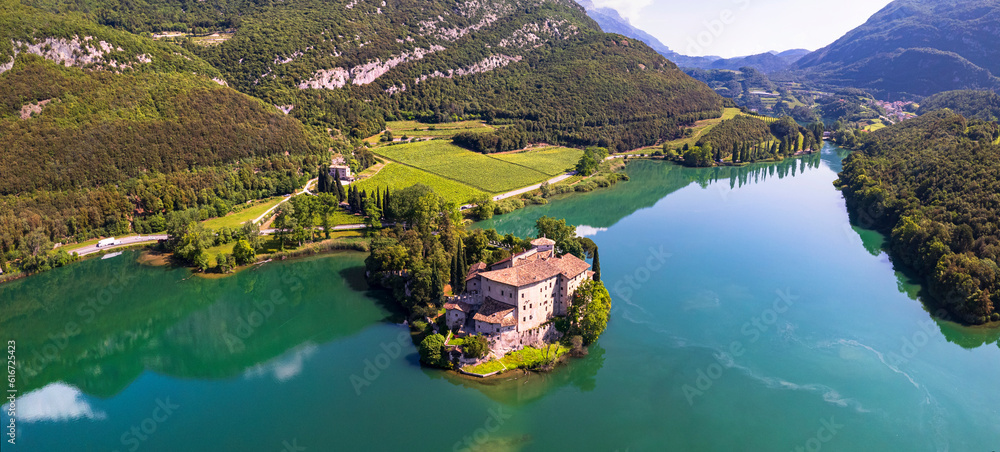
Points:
[[749, 314]]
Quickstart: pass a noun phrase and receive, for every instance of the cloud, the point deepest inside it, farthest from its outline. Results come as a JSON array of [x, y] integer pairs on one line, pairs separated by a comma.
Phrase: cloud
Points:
[[55, 402], [283, 368], [629, 9], [588, 231]]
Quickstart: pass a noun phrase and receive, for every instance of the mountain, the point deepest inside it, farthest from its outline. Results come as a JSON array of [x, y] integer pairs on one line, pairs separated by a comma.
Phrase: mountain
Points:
[[103, 130], [764, 62], [542, 66], [612, 22], [915, 47]]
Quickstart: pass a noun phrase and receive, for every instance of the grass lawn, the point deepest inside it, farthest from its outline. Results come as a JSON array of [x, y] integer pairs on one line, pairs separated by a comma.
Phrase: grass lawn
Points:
[[485, 368], [215, 250], [236, 219], [397, 177], [525, 358], [874, 127], [551, 160], [452, 162]]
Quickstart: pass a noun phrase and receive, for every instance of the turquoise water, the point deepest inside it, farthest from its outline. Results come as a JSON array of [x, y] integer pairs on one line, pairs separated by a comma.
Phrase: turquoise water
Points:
[[749, 315]]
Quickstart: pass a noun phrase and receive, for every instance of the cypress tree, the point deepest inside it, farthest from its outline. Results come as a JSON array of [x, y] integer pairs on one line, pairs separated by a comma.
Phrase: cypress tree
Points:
[[385, 205], [456, 275], [340, 189], [597, 266], [463, 266], [321, 183]]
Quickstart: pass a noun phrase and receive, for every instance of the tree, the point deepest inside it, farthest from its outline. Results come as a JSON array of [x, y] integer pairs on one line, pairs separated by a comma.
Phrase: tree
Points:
[[372, 213], [590, 310], [485, 207], [476, 346], [222, 262], [597, 266], [200, 261], [432, 351], [244, 253], [284, 223], [322, 185]]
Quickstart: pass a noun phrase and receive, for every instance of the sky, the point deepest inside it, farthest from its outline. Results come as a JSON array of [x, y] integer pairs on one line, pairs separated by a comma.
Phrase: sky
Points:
[[730, 28]]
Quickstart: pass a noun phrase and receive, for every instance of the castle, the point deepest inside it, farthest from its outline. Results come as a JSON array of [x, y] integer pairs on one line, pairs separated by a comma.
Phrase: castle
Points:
[[517, 295]]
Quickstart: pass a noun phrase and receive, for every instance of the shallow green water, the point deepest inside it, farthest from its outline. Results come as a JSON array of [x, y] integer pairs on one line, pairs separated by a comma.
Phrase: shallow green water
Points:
[[749, 315]]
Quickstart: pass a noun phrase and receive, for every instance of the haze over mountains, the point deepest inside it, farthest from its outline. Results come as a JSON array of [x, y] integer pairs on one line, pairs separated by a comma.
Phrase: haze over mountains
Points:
[[612, 22], [910, 47]]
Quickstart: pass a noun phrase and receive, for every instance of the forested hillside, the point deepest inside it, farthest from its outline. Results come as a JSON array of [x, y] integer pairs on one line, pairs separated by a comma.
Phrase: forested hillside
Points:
[[932, 184], [105, 132], [349, 65], [983, 105], [917, 47]]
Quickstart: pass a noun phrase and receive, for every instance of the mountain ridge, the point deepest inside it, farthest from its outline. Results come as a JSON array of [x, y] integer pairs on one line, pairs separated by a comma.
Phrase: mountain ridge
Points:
[[914, 47]]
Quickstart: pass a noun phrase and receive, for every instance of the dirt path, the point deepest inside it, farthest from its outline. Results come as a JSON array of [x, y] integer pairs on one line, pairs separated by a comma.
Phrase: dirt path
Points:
[[268, 213], [533, 187]]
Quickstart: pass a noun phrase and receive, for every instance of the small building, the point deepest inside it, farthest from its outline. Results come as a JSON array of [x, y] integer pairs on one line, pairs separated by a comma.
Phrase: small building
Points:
[[110, 241], [457, 313], [341, 171]]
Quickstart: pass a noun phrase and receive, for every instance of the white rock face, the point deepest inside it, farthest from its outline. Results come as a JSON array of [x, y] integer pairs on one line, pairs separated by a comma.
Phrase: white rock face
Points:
[[8, 66], [489, 63], [74, 52], [532, 34], [365, 73], [286, 109], [220, 81]]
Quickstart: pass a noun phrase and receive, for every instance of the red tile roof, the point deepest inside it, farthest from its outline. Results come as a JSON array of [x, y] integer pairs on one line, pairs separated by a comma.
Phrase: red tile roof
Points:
[[496, 313], [458, 305], [475, 269], [538, 270], [542, 241]]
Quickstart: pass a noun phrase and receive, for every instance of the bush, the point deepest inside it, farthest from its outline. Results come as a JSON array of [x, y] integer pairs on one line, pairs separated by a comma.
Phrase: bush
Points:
[[432, 351], [244, 253], [476, 346], [995, 317]]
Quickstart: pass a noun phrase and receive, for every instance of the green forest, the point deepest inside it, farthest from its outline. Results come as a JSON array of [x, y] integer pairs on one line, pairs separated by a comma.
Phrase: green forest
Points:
[[931, 184]]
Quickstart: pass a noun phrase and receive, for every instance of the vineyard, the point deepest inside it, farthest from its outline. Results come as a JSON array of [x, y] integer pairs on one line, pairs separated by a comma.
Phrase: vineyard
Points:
[[396, 177], [452, 162], [551, 160]]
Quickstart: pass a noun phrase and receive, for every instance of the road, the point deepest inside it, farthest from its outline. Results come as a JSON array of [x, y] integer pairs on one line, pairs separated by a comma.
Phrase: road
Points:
[[533, 187], [343, 227], [124, 241], [268, 213]]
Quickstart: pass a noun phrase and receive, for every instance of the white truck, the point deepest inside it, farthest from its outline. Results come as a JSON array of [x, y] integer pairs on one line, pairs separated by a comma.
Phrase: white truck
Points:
[[110, 241]]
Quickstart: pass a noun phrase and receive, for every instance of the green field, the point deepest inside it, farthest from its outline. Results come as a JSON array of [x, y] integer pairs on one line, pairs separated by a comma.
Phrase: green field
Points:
[[398, 177], [419, 129], [702, 127], [552, 160], [452, 162], [236, 219]]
